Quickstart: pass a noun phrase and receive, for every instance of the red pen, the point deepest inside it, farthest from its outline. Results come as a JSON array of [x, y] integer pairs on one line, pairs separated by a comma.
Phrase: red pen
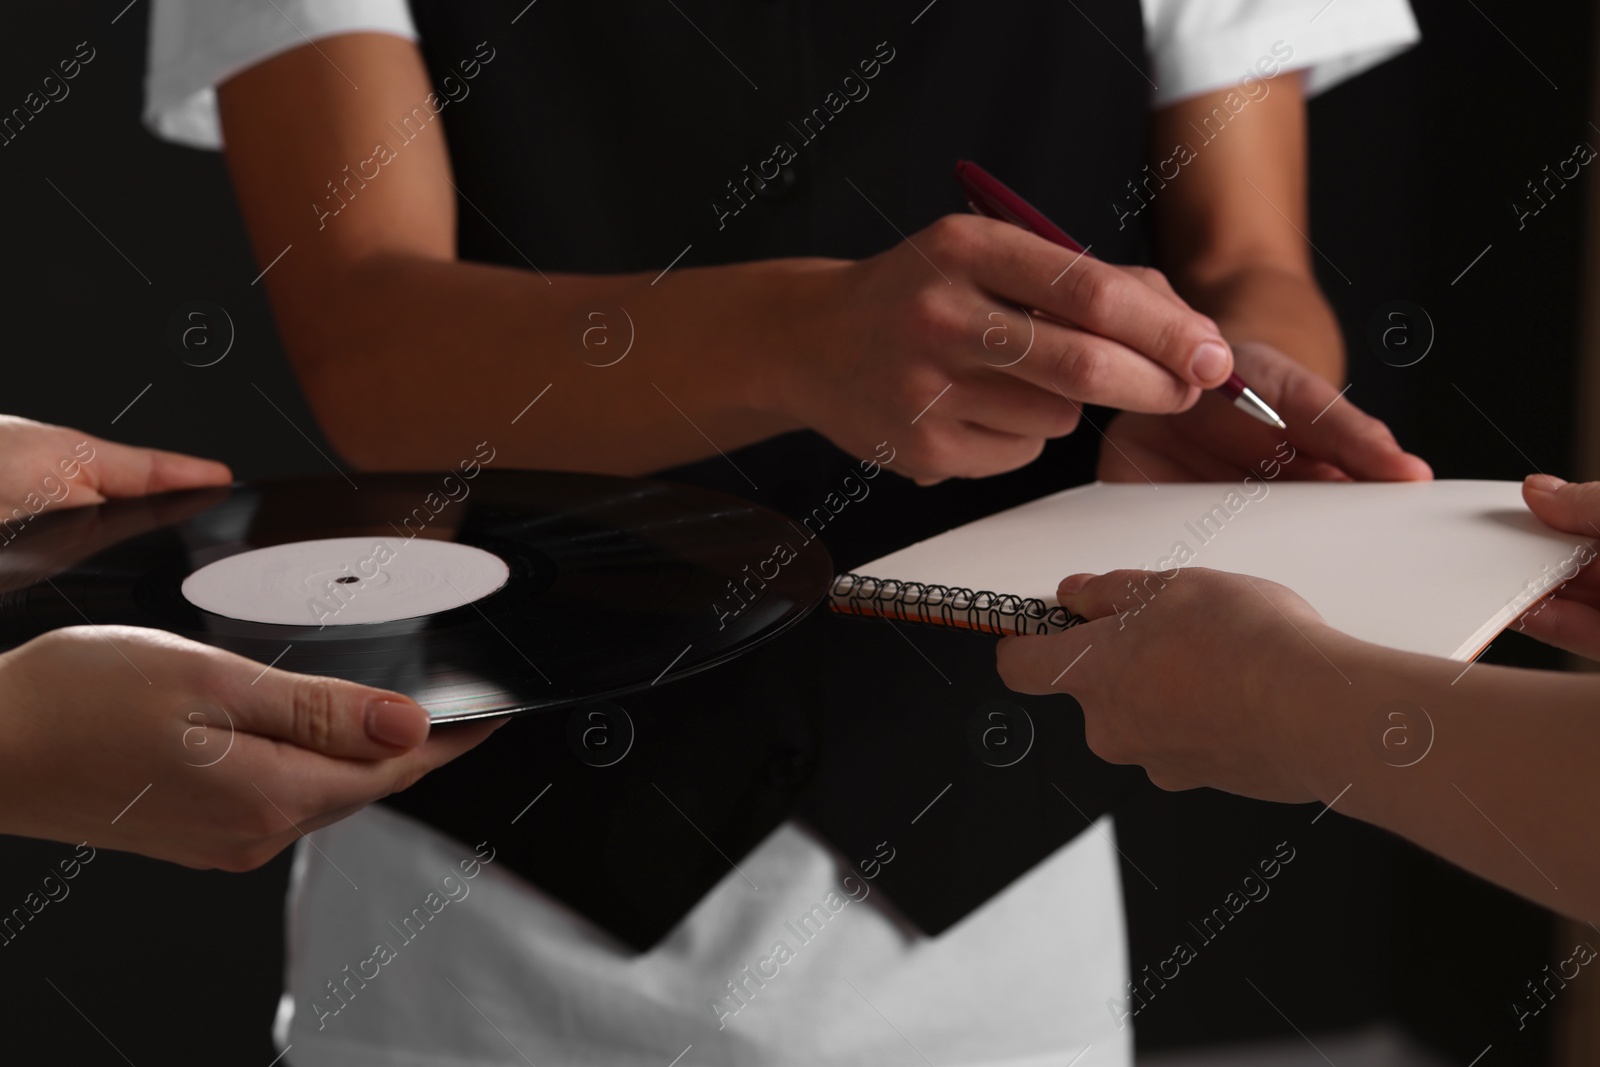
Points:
[[989, 196]]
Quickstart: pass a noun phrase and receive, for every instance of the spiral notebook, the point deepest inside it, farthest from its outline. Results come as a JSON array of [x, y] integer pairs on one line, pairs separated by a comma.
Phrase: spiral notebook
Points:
[[1433, 567]]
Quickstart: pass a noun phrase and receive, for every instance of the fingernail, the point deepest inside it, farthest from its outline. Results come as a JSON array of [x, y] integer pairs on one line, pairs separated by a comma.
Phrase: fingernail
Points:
[[1210, 361], [1543, 483], [1072, 584], [396, 722]]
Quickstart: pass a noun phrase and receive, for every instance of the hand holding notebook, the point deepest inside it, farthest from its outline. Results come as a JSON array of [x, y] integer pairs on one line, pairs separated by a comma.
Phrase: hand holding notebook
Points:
[[1185, 688], [1237, 683]]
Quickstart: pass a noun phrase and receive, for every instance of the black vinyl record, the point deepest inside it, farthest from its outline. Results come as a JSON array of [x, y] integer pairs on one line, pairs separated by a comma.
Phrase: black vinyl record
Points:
[[610, 585]]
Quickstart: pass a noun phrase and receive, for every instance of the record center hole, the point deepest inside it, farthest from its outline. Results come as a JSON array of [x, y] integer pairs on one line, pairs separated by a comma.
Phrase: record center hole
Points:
[[347, 579]]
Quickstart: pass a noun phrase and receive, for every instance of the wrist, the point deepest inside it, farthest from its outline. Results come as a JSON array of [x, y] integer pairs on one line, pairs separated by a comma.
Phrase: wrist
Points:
[[1313, 695], [797, 325]]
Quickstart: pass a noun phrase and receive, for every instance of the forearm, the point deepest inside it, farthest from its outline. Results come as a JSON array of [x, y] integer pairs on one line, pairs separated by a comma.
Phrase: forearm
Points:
[[410, 357], [1231, 228], [409, 361], [1492, 769]]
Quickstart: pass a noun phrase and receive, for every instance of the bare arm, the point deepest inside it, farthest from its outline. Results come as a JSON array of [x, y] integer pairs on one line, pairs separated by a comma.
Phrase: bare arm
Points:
[[1507, 790], [1231, 225], [1226, 187], [1490, 767], [1494, 772], [409, 355]]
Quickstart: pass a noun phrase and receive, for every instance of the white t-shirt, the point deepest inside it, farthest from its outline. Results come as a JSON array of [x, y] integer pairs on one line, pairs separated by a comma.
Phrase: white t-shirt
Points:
[[1195, 46], [491, 972]]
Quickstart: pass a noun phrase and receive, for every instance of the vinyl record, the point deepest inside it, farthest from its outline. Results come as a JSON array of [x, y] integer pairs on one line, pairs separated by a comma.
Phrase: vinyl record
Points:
[[503, 592]]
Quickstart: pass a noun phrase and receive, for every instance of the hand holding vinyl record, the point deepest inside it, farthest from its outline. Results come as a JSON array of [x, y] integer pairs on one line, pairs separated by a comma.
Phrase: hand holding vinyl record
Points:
[[135, 739], [206, 674]]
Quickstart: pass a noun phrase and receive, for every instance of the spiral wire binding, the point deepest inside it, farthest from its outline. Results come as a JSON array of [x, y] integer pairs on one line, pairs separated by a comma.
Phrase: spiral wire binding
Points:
[[994, 613]]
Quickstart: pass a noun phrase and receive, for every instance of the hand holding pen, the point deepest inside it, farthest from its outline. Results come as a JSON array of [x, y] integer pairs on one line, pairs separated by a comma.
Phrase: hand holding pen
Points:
[[990, 197], [879, 351]]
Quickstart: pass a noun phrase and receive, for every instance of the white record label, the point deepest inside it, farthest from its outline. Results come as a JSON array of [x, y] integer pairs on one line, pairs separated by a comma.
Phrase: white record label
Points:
[[343, 581]]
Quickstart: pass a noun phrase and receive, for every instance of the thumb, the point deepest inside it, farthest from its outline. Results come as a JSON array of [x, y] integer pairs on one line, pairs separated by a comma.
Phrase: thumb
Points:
[[1570, 506], [328, 715], [1096, 596], [116, 470]]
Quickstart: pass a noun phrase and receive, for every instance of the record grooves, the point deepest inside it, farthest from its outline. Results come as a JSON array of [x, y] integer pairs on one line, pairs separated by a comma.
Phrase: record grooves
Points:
[[592, 586]]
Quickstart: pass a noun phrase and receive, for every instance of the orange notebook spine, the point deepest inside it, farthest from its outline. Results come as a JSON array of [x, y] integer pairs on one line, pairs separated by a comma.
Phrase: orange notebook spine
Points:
[[943, 605]]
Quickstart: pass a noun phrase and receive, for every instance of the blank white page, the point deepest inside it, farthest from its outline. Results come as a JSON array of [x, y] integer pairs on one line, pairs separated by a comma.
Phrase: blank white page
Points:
[[1433, 567]]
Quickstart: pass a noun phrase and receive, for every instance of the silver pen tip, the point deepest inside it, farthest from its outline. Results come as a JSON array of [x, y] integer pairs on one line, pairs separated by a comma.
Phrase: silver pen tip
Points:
[[1252, 403]]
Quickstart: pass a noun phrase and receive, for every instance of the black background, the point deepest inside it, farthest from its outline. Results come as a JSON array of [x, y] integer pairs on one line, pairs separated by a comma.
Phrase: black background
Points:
[[1415, 167]]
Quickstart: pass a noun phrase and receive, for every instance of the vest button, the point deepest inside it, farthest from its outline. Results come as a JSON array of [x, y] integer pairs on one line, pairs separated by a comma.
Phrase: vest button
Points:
[[779, 187]]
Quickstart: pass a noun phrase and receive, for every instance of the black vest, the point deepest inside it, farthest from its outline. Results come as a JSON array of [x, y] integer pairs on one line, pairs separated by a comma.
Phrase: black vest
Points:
[[609, 136]]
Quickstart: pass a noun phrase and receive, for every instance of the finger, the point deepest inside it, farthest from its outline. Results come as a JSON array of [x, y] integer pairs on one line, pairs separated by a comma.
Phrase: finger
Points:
[[324, 785], [347, 787], [329, 716], [1325, 424], [959, 449], [308, 791], [1169, 780], [1570, 506], [1093, 369], [1098, 596], [1148, 317], [1360, 445], [1051, 663], [1581, 588], [311, 791], [116, 470], [446, 743], [1008, 406], [1315, 470], [1566, 625], [1158, 281], [1025, 269]]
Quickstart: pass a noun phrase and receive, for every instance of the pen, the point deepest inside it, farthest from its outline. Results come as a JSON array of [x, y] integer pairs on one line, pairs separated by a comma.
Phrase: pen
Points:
[[989, 196]]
